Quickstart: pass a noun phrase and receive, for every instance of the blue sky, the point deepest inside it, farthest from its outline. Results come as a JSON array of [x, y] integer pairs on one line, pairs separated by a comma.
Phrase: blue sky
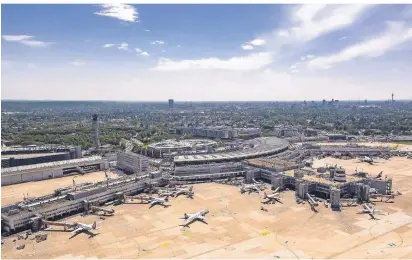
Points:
[[206, 52]]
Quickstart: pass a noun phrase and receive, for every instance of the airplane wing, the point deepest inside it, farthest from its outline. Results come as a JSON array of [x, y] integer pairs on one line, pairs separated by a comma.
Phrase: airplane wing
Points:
[[77, 230]]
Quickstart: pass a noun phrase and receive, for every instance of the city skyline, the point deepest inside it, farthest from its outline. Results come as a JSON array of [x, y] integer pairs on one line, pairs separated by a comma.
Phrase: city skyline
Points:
[[205, 52]]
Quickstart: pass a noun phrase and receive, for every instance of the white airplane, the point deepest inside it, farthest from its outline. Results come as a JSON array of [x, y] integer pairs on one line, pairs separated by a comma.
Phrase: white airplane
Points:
[[76, 227], [85, 228], [190, 218], [366, 159], [271, 198], [249, 188], [188, 192], [158, 201]]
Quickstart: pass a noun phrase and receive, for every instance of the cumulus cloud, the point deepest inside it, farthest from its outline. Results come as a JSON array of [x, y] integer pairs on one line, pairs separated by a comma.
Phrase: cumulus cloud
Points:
[[122, 12], [244, 63], [123, 46], [396, 34], [157, 42], [258, 42], [255, 42], [26, 40], [140, 52], [247, 47], [108, 45]]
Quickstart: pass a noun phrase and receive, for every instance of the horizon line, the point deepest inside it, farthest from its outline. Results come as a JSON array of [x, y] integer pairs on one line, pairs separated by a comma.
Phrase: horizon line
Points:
[[179, 101]]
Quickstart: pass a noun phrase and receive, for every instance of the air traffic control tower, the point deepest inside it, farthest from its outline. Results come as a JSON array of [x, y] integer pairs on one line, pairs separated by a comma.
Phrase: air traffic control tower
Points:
[[95, 127]]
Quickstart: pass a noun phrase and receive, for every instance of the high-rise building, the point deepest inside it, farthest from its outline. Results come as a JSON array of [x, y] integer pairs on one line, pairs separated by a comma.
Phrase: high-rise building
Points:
[[95, 127], [171, 103]]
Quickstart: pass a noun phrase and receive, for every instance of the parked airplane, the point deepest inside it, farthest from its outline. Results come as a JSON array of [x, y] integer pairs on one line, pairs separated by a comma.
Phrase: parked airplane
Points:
[[158, 201], [249, 188], [188, 192], [76, 227], [190, 218], [367, 160], [271, 198]]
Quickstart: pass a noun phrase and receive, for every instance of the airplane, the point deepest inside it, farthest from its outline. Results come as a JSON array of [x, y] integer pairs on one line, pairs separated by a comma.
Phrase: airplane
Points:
[[389, 196], [85, 228], [367, 160], [188, 192], [158, 201], [271, 198], [249, 188], [76, 227], [190, 218], [368, 210]]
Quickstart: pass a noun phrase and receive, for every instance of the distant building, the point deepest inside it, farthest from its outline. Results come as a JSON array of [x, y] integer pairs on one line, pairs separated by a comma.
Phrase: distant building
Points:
[[132, 162], [171, 103]]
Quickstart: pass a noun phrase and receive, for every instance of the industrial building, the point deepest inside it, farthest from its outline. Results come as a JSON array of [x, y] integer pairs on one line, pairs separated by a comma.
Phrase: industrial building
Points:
[[13, 157], [132, 162], [44, 171]]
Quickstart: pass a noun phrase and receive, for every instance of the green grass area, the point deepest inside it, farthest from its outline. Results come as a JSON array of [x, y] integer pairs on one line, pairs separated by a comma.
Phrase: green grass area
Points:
[[403, 142]]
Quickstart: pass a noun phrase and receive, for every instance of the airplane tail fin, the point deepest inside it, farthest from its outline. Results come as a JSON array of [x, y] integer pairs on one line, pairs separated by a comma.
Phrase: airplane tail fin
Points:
[[94, 225], [186, 216], [265, 195]]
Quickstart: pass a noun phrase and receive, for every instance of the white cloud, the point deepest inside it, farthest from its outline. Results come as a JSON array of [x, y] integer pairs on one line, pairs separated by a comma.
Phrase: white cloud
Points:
[[142, 53], [157, 42], [295, 71], [395, 34], [302, 58], [247, 47], [16, 38], [77, 63], [108, 45], [26, 40], [310, 56], [258, 42], [342, 38], [147, 30], [123, 46], [245, 63], [178, 46], [293, 67], [119, 11], [313, 20]]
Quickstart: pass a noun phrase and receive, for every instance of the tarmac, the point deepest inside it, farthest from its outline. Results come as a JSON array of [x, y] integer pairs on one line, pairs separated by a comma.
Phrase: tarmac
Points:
[[236, 228]]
